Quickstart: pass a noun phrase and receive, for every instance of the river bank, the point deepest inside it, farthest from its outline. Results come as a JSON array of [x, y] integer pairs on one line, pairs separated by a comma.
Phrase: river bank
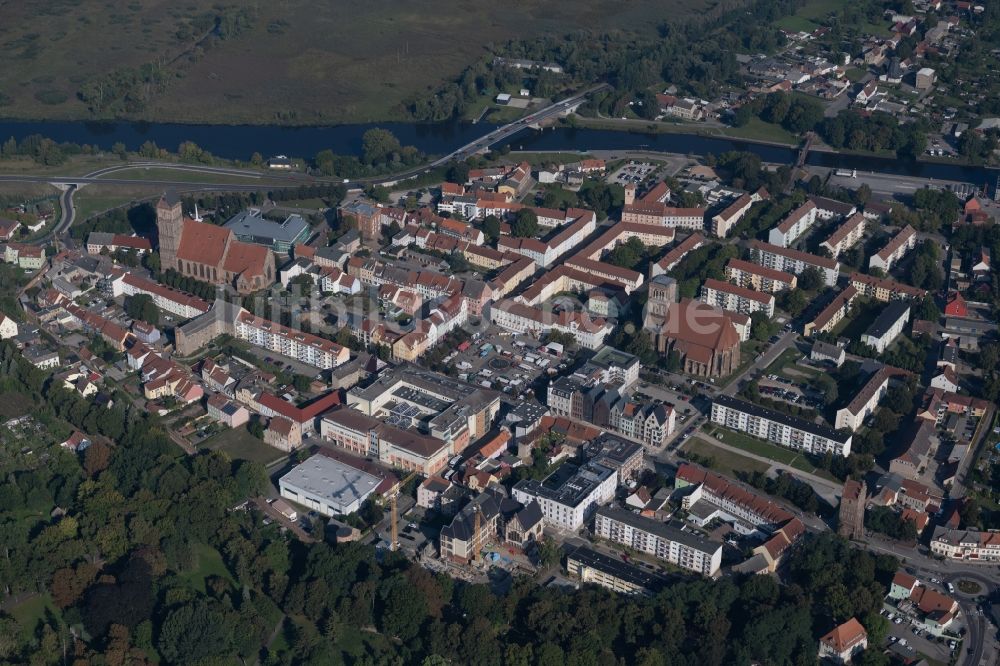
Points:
[[238, 142]]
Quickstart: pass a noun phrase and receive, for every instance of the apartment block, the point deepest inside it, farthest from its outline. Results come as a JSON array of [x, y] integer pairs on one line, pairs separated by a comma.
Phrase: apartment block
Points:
[[866, 401], [887, 326], [832, 314], [304, 347], [966, 545], [846, 235], [884, 289], [753, 276], [895, 249], [646, 535], [793, 261], [734, 298], [788, 431], [792, 227]]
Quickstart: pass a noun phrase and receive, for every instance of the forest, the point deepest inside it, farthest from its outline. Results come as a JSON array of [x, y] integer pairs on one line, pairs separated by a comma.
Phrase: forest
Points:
[[151, 557]]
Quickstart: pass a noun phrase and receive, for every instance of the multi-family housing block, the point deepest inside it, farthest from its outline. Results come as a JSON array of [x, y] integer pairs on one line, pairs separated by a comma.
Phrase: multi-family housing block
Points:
[[589, 332], [966, 544], [884, 289], [788, 431], [305, 347], [897, 247], [735, 298], [887, 326], [754, 276], [793, 261], [794, 225], [846, 235], [866, 401], [665, 542], [833, 313]]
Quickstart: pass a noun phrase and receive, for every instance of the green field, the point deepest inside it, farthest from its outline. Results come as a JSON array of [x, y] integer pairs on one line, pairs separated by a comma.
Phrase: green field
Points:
[[209, 564], [292, 61], [182, 176], [241, 445], [725, 462], [758, 130], [768, 450], [31, 611]]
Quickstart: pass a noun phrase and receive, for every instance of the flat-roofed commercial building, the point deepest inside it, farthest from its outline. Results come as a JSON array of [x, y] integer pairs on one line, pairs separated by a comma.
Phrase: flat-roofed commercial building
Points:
[[328, 486], [250, 226], [788, 431], [679, 547], [570, 495]]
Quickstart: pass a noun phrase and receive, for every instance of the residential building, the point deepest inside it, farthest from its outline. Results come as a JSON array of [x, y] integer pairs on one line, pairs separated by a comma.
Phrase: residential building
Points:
[[832, 314], [887, 326], [591, 566], [328, 486], [843, 642], [828, 209], [866, 401], [665, 542], [618, 454], [966, 544], [793, 261], [570, 495], [676, 254], [884, 289], [713, 496], [846, 235], [27, 257], [589, 332], [731, 216], [851, 521], [897, 247], [788, 431], [659, 213], [753, 276], [305, 347], [734, 298], [429, 492], [224, 410], [167, 299], [283, 434], [98, 241], [612, 366], [794, 225]]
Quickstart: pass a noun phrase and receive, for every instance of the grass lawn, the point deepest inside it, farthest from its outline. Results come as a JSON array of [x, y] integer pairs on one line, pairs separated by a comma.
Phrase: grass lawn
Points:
[[31, 611], [180, 176], [304, 203], [241, 445], [786, 358], [725, 462], [796, 24], [756, 446], [768, 450], [758, 130], [209, 564], [853, 328]]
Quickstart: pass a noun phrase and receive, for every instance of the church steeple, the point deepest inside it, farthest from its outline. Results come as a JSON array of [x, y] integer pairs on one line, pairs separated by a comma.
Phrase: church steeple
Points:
[[169, 225]]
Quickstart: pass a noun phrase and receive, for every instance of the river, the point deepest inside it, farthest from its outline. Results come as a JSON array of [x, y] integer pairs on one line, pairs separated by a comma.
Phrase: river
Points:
[[241, 141]]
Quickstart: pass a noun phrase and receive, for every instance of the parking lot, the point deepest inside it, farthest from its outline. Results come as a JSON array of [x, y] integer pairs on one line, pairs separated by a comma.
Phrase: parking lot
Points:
[[632, 173], [906, 639]]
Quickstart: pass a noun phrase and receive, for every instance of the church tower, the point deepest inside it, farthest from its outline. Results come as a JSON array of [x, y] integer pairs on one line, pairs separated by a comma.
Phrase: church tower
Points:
[[169, 225]]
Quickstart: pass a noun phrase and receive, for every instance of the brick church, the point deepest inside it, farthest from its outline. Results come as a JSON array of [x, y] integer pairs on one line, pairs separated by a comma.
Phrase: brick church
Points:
[[210, 253]]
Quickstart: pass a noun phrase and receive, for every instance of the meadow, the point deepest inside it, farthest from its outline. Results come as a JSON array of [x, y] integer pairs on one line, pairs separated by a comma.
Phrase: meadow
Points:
[[292, 61]]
